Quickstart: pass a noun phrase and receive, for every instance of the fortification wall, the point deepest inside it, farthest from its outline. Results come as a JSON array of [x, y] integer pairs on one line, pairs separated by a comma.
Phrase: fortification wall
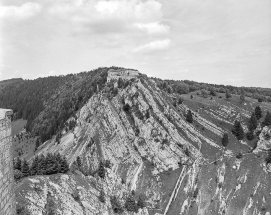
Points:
[[122, 73], [7, 198]]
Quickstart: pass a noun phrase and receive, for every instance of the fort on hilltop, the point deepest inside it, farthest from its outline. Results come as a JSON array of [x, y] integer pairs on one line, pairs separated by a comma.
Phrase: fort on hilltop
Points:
[[114, 74], [7, 199]]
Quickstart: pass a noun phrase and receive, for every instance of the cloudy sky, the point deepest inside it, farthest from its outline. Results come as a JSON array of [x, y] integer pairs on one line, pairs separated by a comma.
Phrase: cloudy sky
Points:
[[214, 41]]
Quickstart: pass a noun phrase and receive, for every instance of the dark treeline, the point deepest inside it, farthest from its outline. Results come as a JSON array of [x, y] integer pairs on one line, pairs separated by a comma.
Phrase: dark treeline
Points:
[[41, 165], [47, 103], [186, 86]]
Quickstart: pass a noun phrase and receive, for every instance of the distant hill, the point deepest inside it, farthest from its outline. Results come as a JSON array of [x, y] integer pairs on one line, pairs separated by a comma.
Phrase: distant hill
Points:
[[7, 82]]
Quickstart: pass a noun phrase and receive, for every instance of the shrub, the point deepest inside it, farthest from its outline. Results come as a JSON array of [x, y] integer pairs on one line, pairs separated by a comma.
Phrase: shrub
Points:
[[225, 140], [126, 107], [141, 203], [250, 135], [189, 116], [115, 204], [239, 155], [18, 174], [227, 94]]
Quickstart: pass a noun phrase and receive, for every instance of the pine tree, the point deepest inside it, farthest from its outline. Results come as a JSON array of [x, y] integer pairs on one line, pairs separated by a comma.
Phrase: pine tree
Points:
[[18, 164], [242, 96], [34, 166], [64, 165], [25, 168], [267, 119], [189, 116], [58, 160], [79, 163], [37, 144], [258, 112], [101, 170], [238, 130], [252, 124], [102, 196], [225, 140], [41, 165]]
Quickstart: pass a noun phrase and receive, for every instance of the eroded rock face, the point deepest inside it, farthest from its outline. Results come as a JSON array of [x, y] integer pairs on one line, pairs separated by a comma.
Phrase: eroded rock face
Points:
[[179, 167]]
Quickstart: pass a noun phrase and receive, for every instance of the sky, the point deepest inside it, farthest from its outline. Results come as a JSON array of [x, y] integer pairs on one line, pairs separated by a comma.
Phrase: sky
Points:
[[213, 41]]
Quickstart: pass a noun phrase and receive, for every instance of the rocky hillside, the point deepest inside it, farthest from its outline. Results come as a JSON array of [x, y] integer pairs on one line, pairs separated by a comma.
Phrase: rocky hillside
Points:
[[154, 161]]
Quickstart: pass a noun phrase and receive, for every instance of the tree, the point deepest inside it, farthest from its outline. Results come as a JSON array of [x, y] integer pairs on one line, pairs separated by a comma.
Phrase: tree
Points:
[[130, 204], [79, 163], [204, 93], [225, 140], [101, 170], [227, 94], [189, 116], [18, 164], [126, 107], [180, 100], [141, 201], [115, 91], [115, 204], [267, 119], [268, 158], [102, 196], [120, 83], [37, 144], [25, 168], [212, 92], [250, 135], [258, 112], [238, 130], [18, 174], [252, 124], [181, 88], [242, 96], [34, 166]]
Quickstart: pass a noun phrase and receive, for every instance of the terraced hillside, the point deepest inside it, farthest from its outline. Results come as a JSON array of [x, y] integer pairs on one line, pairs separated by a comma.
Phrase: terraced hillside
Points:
[[140, 136]]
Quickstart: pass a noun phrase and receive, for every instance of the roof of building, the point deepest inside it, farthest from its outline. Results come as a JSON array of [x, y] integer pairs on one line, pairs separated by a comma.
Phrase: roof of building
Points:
[[5, 112]]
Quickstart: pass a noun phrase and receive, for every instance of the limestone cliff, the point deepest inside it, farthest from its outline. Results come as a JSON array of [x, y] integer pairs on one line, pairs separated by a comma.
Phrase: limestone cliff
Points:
[[181, 168]]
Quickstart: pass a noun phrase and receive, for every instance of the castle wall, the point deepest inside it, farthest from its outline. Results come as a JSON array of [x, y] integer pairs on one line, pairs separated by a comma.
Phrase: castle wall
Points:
[[121, 73], [7, 198]]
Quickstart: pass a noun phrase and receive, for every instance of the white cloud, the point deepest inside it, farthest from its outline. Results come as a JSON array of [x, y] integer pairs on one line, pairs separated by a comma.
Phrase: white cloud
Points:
[[112, 16], [154, 46], [24, 11], [153, 27]]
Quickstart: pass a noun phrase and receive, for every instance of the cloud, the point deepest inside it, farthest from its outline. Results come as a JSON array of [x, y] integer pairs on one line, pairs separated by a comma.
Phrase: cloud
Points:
[[154, 46], [25, 11], [153, 27], [116, 16]]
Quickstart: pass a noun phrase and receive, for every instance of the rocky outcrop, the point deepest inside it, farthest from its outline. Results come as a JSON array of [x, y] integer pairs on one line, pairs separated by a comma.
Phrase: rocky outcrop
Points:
[[181, 168]]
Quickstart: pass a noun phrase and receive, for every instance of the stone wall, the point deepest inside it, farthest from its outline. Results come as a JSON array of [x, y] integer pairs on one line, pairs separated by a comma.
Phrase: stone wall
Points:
[[7, 198], [121, 73]]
